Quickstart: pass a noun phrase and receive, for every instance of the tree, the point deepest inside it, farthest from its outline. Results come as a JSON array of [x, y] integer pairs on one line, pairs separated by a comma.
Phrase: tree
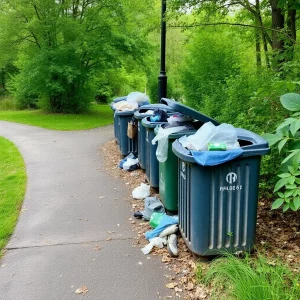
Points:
[[280, 34], [64, 45]]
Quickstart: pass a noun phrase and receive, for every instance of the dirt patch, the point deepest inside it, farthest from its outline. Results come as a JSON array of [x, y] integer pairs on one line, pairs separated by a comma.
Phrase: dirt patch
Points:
[[278, 235]]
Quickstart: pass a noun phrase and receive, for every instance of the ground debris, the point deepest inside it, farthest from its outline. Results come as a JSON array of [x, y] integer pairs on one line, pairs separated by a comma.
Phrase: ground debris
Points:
[[82, 290], [278, 233]]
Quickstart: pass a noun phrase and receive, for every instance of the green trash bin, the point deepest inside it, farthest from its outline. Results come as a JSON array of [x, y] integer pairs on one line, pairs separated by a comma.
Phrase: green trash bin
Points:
[[168, 174], [168, 170]]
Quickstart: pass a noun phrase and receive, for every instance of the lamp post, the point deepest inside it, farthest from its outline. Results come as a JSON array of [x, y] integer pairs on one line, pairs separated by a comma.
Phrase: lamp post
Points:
[[162, 78]]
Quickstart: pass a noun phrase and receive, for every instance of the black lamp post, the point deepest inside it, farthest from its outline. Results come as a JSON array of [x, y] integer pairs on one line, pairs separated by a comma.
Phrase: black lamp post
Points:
[[162, 78]]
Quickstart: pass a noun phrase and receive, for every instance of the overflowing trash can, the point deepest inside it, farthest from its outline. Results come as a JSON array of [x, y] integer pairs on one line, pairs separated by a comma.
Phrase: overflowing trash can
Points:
[[116, 133], [142, 112], [168, 169], [124, 108], [218, 200]]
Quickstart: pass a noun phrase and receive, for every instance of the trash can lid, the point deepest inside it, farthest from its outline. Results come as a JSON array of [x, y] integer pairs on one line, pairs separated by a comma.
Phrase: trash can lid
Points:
[[251, 145], [140, 113], [188, 111]]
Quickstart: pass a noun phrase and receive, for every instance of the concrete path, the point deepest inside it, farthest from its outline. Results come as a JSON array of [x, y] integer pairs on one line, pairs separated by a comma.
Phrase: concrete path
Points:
[[63, 219]]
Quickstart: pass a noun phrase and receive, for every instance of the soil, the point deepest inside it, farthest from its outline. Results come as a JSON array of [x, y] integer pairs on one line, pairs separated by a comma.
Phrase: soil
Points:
[[277, 235]]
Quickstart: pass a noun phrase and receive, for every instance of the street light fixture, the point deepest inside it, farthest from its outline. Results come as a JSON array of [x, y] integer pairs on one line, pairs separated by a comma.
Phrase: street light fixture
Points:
[[162, 78]]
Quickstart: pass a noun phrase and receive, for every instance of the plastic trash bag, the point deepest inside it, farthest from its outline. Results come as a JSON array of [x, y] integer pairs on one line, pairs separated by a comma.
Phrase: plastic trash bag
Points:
[[162, 138], [137, 97], [155, 219], [174, 119], [209, 133], [152, 205], [125, 106], [165, 222], [129, 163], [157, 242], [141, 192]]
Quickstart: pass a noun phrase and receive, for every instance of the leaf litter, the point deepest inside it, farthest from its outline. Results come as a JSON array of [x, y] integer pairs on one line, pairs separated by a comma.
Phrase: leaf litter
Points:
[[278, 233]]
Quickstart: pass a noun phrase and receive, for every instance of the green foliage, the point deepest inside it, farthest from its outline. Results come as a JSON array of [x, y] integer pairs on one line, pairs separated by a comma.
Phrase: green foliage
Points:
[[287, 139], [7, 103], [211, 59], [65, 46], [12, 188], [250, 279]]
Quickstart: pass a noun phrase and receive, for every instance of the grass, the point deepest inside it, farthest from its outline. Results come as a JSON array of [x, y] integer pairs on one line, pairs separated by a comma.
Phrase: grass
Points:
[[12, 189], [233, 278], [98, 115]]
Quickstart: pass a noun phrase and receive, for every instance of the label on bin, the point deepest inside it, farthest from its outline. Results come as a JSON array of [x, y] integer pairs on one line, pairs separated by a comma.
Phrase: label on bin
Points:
[[231, 178]]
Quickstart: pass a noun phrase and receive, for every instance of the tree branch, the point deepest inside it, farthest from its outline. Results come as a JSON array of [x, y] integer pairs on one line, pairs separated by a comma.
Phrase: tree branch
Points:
[[227, 23]]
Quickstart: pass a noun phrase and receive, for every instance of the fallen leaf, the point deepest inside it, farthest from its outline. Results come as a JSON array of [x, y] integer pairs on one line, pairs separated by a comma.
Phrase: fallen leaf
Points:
[[200, 293], [82, 290], [108, 239], [97, 247], [171, 285], [190, 286]]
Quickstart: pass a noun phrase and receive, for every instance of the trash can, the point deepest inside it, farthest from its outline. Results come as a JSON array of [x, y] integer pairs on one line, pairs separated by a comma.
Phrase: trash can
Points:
[[121, 119], [168, 170], [126, 144], [151, 162], [116, 133], [218, 204], [139, 115]]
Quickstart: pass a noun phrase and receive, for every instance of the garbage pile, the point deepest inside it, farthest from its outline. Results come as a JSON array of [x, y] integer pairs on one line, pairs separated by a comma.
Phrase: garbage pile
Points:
[[165, 227], [132, 102]]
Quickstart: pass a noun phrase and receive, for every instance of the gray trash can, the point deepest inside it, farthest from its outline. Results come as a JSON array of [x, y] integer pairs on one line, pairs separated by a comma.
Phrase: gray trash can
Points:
[[139, 115], [218, 204], [116, 133], [121, 119]]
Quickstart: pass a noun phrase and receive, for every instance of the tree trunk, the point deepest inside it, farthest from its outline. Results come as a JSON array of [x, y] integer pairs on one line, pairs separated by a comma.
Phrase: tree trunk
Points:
[[277, 38], [257, 48], [291, 31]]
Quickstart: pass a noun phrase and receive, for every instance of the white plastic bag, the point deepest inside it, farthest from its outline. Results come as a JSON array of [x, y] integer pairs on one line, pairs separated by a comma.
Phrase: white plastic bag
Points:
[[137, 97], [130, 162], [125, 106], [172, 120], [157, 242], [162, 138], [209, 133], [141, 191]]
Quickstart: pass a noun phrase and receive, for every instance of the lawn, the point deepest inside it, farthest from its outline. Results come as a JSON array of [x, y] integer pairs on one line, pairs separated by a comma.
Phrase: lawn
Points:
[[99, 115], [12, 188]]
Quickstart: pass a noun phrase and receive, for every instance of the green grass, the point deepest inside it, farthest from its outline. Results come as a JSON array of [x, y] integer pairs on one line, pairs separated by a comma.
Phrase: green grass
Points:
[[233, 278], [98, 115], [12, 189]]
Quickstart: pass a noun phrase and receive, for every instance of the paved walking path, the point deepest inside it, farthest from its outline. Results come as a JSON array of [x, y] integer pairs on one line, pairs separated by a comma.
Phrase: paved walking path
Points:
[[63, 219]]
